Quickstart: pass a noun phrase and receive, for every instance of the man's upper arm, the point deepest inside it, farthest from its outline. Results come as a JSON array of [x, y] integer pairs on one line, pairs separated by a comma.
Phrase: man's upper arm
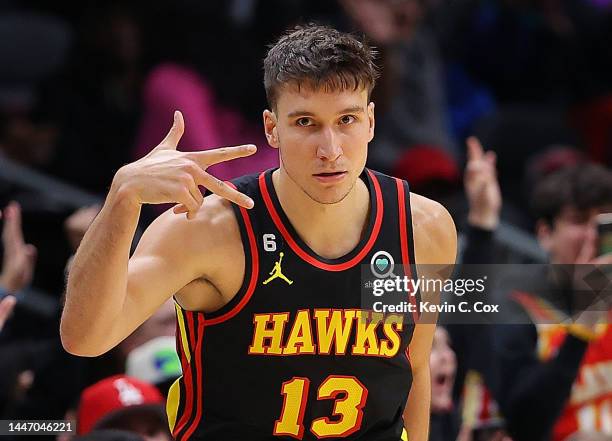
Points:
[[173, 252]]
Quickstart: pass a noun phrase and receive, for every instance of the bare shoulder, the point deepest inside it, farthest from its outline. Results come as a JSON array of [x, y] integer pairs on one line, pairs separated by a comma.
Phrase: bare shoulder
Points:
[[435, 235]]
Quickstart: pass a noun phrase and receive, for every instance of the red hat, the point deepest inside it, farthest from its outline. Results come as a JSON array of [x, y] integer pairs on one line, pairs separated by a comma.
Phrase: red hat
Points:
[[112, 395]]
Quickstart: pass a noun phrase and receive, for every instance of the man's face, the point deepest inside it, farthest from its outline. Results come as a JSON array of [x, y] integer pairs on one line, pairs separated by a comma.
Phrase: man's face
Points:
[[323, 139], [573, 235]]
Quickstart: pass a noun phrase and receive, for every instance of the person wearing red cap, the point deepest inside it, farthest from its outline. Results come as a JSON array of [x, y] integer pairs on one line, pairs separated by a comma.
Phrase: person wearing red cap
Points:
[[126, 403]]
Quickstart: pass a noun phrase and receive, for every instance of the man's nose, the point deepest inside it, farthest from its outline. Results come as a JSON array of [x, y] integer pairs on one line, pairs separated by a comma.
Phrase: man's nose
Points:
[[329, 148]]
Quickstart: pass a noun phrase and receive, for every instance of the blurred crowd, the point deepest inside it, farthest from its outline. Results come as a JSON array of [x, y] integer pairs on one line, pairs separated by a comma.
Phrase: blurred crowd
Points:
[[499, 109]]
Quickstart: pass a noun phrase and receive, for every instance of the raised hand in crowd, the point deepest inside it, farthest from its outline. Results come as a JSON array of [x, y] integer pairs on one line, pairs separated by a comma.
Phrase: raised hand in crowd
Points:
[[19, 258], [482, 186], [6, 307]]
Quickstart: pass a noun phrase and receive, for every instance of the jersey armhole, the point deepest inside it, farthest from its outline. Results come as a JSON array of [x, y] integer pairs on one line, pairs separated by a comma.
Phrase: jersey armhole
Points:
[[251, 269]]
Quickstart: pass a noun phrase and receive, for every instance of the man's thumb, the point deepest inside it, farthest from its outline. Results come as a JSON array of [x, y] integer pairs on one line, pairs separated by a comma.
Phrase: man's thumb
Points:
[[174, 135]]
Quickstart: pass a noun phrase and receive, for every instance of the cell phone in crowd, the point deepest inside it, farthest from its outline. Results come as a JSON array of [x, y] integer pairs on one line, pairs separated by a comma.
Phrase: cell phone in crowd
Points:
[[604, 229]]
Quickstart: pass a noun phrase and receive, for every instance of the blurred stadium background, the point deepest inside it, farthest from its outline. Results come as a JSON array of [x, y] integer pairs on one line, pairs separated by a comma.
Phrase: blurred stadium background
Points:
[[87, 87]]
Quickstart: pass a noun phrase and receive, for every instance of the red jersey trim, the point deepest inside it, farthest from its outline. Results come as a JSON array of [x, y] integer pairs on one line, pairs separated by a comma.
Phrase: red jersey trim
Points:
[[311, 259], [188, 377], [198, 366], [254, 271]]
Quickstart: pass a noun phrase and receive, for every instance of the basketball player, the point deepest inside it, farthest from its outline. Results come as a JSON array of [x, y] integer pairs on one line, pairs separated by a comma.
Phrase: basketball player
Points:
[[266, 271]]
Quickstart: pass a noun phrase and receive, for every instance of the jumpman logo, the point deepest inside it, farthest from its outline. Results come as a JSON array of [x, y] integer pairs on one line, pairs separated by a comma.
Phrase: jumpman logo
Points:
[[277, 272]]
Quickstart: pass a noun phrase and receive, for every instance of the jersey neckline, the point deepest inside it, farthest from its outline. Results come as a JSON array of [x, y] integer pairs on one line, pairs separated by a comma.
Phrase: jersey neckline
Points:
[[295, 242]]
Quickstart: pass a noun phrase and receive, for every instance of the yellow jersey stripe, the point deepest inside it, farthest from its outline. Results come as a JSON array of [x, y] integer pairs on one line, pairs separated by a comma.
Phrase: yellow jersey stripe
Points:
[[172, 403], [181, 323]]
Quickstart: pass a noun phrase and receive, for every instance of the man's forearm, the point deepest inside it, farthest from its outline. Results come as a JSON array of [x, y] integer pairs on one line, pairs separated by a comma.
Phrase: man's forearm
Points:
[[416, 414], [97, 281]]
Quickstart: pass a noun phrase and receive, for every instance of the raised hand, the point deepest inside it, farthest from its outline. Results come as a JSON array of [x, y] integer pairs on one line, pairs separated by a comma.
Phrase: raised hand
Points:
[[482, 186], [6, 306], [166, 175], [19, 258]]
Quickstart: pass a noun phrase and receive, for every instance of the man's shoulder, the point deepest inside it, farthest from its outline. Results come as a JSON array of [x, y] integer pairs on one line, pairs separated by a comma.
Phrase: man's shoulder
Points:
[[430, 217], [248, 184], [435, 235], [214, 225]]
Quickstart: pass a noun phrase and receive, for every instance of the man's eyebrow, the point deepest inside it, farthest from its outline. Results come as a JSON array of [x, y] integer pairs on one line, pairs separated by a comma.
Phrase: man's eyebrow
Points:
[[352, 109]]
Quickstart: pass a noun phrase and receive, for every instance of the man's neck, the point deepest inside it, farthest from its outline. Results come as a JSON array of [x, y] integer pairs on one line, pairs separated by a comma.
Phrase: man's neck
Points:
[[330, 230]]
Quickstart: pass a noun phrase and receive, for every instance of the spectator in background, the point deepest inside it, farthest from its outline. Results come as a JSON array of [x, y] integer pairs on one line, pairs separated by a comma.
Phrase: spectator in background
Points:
[[445, 420], [123, 403], [214, 77], [19, 258], [18, 261], [409, 97], [472, 340], [6, 306], [549, 387]]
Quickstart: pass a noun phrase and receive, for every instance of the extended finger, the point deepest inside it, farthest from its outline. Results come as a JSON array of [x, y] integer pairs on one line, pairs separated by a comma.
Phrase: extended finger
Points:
[[180, 208], [185, 198], [491, 157], [196, 193], [31, 253], [474, 149], [174, 135], [6, 306], [214, 156], [12, 233], [223, 190]]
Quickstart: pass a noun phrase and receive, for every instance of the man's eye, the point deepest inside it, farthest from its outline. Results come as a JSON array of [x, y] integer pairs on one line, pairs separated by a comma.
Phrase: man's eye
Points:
[[304, 122], [347, 119]]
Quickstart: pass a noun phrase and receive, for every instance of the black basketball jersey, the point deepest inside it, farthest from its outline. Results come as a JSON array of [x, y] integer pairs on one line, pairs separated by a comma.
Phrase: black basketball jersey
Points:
[[293, 355]]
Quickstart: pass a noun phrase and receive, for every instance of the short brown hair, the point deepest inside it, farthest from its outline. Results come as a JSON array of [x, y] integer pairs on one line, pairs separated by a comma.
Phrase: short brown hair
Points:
[[319, 57], [582, 186]]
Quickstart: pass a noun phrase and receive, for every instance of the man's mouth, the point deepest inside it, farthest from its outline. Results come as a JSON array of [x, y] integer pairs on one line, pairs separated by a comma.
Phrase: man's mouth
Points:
[[328, 174], [330, 177], [443, 379]]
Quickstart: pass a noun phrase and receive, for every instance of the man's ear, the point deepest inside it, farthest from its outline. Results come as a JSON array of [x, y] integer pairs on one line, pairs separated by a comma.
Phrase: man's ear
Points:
[[544, 234], [371, 121], [269, 120]]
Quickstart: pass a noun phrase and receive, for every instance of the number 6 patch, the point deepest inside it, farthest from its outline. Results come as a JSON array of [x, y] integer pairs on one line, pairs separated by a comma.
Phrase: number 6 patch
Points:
[[269, 242]]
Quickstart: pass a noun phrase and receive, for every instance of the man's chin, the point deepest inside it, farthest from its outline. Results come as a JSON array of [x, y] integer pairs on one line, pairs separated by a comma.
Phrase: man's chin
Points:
[[330, 197]]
